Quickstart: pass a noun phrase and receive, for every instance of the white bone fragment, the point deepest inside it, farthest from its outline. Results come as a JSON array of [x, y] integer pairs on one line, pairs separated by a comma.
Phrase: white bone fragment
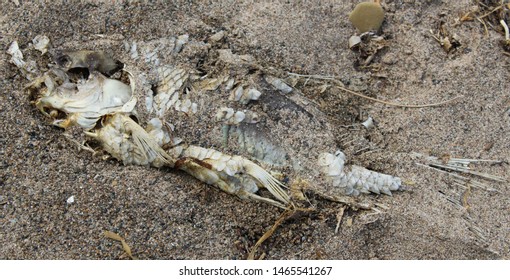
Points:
[[41, 43]]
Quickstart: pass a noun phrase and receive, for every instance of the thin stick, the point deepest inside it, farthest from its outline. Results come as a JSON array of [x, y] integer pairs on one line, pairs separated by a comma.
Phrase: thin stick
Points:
[[484, 26], [332, 78], [469, 160], [80, 146], [461, 178], [466, 17], [397, 104], [489, 13], [318, 77], [349, 201], [464, 170], [482, 4], [268, 233]]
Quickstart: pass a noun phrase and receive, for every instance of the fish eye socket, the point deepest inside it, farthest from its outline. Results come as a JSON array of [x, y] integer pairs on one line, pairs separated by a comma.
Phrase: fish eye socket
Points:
[[64, 61]]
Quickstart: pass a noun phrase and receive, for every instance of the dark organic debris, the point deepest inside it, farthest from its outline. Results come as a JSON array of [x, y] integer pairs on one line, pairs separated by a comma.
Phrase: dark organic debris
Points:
[[89, 60]]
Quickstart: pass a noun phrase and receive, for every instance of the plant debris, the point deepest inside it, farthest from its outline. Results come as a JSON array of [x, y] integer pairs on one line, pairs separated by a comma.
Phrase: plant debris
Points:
[[449, 42], [125, 246], [340, 86], [170, 215], [367, 46], [506, 42], [279, 221], [453, 166], [493, 14]]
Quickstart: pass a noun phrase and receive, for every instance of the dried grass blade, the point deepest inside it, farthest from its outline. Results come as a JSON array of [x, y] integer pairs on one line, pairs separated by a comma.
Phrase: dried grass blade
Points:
[[116, 237], [268, 233]]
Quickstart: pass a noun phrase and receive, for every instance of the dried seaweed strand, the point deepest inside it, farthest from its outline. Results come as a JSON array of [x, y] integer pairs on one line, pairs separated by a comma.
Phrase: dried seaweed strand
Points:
[[331, 78], [116, 237]]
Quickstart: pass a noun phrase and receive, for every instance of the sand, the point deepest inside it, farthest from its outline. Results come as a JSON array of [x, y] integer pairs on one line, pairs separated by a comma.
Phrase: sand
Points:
[[166, 214]]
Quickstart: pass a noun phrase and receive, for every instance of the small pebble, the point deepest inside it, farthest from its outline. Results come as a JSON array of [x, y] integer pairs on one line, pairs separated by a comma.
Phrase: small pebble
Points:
[[70, 200], [217, 37], [389, 59], [367, 16]]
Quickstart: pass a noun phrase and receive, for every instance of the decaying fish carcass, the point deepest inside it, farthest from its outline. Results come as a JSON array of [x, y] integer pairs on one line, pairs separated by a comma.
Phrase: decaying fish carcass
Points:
[[229, 103]]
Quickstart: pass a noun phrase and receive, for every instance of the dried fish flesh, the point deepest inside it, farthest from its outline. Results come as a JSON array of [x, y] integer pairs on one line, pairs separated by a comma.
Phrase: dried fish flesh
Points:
[[222, 100], [84, 103]]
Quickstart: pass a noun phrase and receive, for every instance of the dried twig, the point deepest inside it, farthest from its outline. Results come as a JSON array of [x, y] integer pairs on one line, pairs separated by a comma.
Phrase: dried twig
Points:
[[332, 78], [463, 166], [491, 12], [484, 26], [464, 170], [349, 201], [81, 146], [461, 180], [270, 232], [397, 104]]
